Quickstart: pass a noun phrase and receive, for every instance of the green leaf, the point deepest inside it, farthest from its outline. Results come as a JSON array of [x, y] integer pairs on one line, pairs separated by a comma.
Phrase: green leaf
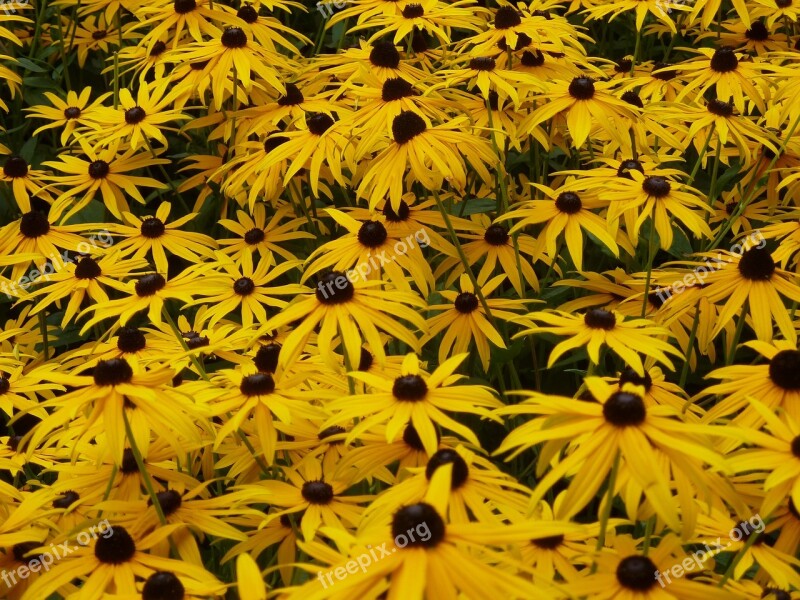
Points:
[[31, 66], [478, 205]]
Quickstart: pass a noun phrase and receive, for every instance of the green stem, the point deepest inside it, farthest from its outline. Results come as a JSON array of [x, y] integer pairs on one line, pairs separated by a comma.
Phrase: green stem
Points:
[[700, 156], [737, 334], [463, 257], [148, 483], [604, 517], [692, 337]]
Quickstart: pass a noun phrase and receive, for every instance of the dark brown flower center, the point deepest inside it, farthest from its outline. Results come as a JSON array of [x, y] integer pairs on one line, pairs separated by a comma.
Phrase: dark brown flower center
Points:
[[331, 431], [293, 95], [496, 235], [184, 6], [87, 268], [623, 409], [412, 439], [628, 165], [623, 65], [366, 359], [631, 376], [548, 543], [169, 501], [130, 339], [257, 384], [317, 492], [163, 585], [273, 142], [15, 166], [266, 359], [254, 236], [112, 372], [135, 115], [466, 302], [637, 573], [5, 385], [158, 48], [248, 14], [656, 186], [152, 227], [507, 17], [758, 32], [384, 54], [599, 318], [448, 456], [319, 123], [482, 63], [633, 99], [117, 548], [409, 388], [372, 234], [234, 37], [406, 126], [569, 203], [784, 370], [414, 518], [720, 108], [396, 217], [99, 169], [532, 59], [99, 34], [34, 224], [757, 264], [666, 75], [148, 285], [244, 286], [413, 11], [66, 499], [582, 88], [724, 60], [396, 88], [334, 288]]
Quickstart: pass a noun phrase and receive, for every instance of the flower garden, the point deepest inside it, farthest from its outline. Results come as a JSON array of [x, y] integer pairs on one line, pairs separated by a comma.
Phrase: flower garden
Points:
[[391, 299]]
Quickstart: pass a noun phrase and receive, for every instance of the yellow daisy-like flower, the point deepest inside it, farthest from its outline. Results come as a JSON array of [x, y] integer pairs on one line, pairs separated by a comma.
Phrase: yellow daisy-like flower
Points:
[[466, 320], [74, 112], [599, 327], [357, 309], [415, 399], [435, 154], [153, 236], [653, 443], [105, 171]]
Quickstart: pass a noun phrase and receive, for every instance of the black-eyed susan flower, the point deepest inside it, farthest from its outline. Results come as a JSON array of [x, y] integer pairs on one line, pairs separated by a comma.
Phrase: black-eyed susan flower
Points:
[[613, 423], [354, 308], [466, 321], [434, 153], [106, 172], [598, 327], [413, 398], [153, 236], [74, 112]]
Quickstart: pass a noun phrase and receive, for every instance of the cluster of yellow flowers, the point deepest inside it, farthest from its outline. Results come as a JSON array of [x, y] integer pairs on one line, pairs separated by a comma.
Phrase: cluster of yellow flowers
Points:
[[399, 299]]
